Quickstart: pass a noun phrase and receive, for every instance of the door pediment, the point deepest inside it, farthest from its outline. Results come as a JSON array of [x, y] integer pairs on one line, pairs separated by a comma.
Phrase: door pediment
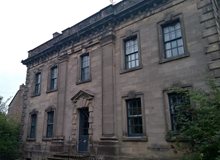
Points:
[[82, 95]]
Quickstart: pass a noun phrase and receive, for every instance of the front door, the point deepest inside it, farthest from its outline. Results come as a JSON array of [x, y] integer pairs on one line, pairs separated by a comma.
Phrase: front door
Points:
[[83, 130]]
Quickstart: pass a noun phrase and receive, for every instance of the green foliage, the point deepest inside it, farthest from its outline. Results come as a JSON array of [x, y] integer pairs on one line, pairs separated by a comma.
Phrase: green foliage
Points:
[[202, 128], [3, 105], [9, 136]]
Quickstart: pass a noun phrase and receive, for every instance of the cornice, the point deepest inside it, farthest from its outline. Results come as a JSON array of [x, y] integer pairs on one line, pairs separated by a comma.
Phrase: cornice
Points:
[[110, 16]]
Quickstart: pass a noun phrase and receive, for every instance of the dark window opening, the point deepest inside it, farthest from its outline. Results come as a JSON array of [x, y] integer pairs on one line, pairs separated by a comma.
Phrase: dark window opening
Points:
[[85, 67], [173, 40], [176, 102], [131, 53], [134, 117], [53, 78], [50, 122], [33, 126], [37, 84]]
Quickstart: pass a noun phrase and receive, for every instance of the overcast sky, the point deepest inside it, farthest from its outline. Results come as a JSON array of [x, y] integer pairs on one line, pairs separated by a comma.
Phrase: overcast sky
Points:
[[25, 24]]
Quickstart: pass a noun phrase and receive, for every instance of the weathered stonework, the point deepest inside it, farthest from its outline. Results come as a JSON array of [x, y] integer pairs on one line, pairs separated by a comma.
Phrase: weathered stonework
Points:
[[111, 84], [210, 20], [16, 105]]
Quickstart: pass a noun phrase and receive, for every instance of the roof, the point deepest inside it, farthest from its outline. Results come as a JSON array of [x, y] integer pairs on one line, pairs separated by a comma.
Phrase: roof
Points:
[[110, 15]]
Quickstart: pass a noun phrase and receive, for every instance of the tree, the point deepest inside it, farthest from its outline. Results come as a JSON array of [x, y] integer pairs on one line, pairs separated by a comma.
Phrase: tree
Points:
[[9, 135], [3, 105], [202, 130]]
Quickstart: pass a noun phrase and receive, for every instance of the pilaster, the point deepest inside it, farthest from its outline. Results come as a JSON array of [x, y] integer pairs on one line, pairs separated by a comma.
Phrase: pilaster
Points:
[[61, 97], [210, 20], [107, 45]]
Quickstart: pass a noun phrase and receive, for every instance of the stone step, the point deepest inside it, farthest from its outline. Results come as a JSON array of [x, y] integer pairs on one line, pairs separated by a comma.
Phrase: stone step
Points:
[[66, 156], [55, 158]]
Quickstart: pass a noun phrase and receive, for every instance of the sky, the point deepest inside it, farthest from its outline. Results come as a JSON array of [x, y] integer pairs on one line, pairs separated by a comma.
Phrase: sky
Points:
[[25, 24]]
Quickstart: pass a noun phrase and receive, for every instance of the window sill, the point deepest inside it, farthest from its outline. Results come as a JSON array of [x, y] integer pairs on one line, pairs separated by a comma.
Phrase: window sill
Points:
[[130, 70], [47, 139], [31, 139], [135, 139], [164, 60], [35, 95], [51, 90], [81, 82]]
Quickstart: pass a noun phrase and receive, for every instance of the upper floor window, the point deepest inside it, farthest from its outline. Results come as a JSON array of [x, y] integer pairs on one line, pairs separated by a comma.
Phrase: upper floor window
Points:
[[134, 117], [173, 40], [50, 124], [131, 53], [53, 78], [85, 67], [37, 86], [176, 100], [33, 126]]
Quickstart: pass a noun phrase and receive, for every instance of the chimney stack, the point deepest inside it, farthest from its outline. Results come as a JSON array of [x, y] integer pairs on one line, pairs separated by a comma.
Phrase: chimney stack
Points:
[[56, 34]]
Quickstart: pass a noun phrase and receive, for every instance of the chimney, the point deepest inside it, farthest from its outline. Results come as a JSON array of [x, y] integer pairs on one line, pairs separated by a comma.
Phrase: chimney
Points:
[[56, 34]]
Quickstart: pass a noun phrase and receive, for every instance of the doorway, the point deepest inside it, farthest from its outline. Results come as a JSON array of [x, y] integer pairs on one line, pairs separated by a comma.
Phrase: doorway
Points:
[[83, 130]]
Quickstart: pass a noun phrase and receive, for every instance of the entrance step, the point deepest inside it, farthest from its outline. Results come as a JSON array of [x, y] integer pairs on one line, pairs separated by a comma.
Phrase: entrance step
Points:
[[65, 156], [55, 158]]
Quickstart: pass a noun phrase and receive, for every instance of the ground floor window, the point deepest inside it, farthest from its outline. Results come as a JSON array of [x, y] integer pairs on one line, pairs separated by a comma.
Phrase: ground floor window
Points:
[[176, 101], [134, 117]]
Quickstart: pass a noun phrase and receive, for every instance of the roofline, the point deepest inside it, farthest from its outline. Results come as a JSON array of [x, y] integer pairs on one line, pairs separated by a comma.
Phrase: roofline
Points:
[[111, 13]]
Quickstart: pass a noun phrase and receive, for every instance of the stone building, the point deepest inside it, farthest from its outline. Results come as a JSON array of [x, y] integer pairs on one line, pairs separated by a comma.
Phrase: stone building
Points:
[[101, 87], [16, 105]]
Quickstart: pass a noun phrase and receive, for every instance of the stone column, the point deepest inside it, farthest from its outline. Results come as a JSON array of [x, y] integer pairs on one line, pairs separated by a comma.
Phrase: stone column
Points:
[[107, 45]]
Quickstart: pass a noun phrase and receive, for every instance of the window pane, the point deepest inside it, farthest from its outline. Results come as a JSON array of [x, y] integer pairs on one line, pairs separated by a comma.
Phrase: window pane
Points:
[[174, 52], [129, 65], [55, 84], [180, 42], [178, 33], [173, 42], [167, 46], [172, 35], [134, 117], [133, 57], [85, 67], [177, 26], [165, 29], [50, 121], [128, 51], [49, 131], [38, 77], [132, 64], [50, 117], [54, 72], [33, 126], [131, 53], [168, 54], [181, 50], [174, 45], [53, 79], [176, 100], [171, 28], [37, 84], [137, 62], [166, 37]]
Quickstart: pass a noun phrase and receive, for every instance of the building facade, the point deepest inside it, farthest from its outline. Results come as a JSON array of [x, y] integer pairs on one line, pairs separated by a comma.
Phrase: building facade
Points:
[[16, 105], [102, 86]]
